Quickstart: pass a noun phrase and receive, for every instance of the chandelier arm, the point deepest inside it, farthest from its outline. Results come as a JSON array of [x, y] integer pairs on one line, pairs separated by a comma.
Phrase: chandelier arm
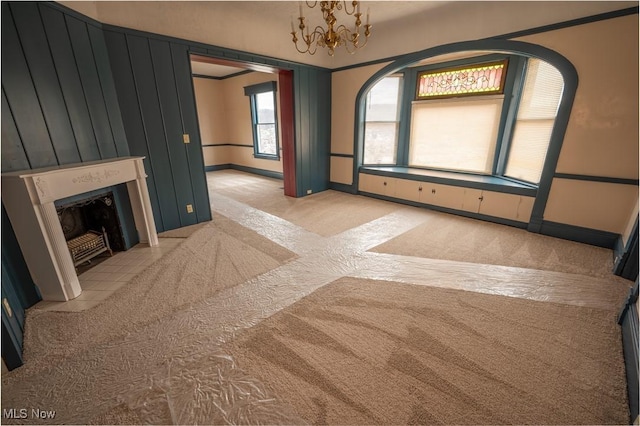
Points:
[[354, 4], [312, 38], [311, 6], [319, 31], [307, 50]]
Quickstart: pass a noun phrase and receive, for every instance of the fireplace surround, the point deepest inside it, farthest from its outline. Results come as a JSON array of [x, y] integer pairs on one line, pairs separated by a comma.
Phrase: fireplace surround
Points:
[[29, 197]]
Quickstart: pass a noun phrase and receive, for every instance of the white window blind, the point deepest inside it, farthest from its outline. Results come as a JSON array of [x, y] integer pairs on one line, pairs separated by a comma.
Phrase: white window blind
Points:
[[455, 134], [536, 115], [381, 122]]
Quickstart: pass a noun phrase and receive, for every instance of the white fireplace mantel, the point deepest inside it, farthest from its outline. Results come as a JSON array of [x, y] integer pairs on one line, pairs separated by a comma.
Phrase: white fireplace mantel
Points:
[[29, 196]]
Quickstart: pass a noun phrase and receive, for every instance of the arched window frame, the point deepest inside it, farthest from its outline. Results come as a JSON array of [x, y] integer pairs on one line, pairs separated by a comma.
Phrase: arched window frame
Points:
[[563, 65]]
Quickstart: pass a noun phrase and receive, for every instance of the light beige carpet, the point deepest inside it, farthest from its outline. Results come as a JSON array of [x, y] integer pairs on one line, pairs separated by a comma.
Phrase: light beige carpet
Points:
[[184, 232], [443, 236], [450, 237], [325, 213], [370, 352], [219, 255]]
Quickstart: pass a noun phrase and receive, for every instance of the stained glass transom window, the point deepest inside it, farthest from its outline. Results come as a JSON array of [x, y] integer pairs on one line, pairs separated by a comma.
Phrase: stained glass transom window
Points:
[[484, 79]]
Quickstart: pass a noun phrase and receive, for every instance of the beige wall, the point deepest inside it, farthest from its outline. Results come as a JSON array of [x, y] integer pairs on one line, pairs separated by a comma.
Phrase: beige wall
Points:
[[211, 111], [344, 88], [224, 114], [602, 134]]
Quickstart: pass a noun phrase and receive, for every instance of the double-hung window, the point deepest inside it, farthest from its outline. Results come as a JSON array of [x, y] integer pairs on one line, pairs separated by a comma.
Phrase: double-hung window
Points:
[[537, 112], [264, 119], [381, 121]]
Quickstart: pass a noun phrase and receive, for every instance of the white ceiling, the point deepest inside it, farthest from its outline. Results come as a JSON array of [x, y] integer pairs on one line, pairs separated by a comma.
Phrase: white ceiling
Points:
[[213, 70], [399, 27]]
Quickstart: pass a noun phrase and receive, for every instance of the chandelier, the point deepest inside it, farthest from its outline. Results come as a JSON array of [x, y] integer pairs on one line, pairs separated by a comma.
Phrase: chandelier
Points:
[[334, 35]]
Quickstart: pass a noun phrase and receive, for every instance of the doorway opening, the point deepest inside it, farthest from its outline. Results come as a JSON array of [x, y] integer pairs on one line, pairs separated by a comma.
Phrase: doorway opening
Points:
[[246, 118]]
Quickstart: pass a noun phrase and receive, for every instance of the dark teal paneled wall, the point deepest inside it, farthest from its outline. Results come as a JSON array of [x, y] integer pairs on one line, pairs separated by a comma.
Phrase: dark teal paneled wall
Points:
[[59, 106], [59, 102], [313, 110], [153, 81]]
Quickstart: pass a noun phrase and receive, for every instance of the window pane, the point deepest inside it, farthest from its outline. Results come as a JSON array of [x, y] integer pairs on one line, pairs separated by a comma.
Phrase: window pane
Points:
[[267, 139], [382, 100], [381, 142], [537, 111], [265, 107], [455, 134], [529, 150], [381, 122], [482, 79]]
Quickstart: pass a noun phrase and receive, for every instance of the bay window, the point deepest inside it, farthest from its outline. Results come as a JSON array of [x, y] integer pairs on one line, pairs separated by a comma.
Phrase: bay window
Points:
[[490, 115]]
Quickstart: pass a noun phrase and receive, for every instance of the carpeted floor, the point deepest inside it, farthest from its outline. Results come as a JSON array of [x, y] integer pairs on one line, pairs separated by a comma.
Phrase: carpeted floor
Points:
[[278, 312], [373, 352], [442, 236], [203, 265], [451, 237], [325, 213]]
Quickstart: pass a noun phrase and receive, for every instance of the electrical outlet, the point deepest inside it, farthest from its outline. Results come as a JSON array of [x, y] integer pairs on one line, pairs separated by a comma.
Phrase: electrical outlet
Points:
[[189, 208], [309, 191], [185, 138]]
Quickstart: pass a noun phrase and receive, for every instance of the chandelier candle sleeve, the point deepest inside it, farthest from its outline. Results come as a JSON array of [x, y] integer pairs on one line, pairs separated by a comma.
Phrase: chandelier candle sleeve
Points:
[[334, 35]]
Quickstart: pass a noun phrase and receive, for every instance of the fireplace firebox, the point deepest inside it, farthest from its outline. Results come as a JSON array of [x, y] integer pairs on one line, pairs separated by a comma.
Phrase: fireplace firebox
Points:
[[91, 226]]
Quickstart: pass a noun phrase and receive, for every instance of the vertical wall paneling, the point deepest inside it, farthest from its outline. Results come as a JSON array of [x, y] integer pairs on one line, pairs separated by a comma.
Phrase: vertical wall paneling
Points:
[[22, 97], [302, 137], [13, 155], [143, 74], [45, 80], [15, 267], [88, 72], [322, 152], [131, 114], [189, 116], [64, 61], [11, 330], [105, 78], [125, 215], [20, 291], [172, 122]]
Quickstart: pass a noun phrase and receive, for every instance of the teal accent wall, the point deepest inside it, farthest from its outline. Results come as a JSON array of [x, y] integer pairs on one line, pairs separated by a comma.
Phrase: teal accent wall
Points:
[[312, 89]]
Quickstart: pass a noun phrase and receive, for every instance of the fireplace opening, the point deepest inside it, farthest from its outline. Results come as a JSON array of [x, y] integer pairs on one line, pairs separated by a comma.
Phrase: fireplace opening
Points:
[[92, 229]]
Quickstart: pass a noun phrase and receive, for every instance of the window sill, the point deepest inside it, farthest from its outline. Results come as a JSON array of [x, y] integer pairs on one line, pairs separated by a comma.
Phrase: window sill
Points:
[[267, 157], [467, 180]]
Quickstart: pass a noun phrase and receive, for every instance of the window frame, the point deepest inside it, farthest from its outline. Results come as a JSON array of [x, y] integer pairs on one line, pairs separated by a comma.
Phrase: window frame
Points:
[[252, 91], [478, 62]]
